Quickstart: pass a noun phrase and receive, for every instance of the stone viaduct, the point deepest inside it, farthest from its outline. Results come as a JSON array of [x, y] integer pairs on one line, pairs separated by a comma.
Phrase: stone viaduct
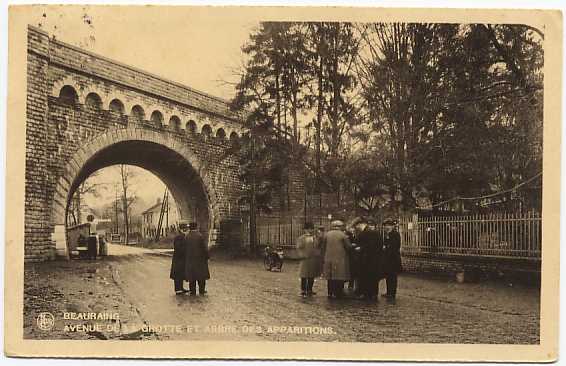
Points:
[[86, 112]]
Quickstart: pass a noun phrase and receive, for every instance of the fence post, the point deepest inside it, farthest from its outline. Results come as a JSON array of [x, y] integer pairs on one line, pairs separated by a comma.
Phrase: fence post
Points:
[[292, 232]]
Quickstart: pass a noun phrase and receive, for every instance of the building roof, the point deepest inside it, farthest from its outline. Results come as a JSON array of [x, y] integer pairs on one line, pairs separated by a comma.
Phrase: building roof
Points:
[[156, 207]]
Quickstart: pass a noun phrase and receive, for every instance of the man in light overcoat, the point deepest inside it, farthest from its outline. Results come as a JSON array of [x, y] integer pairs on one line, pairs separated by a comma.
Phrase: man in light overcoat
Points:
[[336, 267], [308, 247]]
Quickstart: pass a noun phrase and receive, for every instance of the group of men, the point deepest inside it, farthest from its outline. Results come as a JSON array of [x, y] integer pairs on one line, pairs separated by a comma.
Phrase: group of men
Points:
[[361, 255], [190, 260]]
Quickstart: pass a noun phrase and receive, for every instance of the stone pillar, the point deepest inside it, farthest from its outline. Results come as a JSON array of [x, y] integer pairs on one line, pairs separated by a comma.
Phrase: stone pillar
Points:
[[38, 183], [59, 236]]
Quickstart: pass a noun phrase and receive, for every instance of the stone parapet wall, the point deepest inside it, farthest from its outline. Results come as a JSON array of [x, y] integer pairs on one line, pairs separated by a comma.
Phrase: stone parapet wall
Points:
[[472, 268]]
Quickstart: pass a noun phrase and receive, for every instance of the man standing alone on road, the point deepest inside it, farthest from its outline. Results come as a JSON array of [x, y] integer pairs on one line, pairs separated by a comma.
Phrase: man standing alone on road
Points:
[[196, 261], [178, 261], [391, 257]]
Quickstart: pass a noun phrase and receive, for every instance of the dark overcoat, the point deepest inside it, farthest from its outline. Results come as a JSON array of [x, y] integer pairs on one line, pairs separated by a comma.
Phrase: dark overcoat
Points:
[[336, 260], [308, 247], [196, 260], [370, 253], [391, 263], [178, 260], [354, 257]]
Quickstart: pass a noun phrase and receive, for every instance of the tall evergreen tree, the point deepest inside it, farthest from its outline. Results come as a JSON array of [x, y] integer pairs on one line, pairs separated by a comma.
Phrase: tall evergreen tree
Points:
[[447, 102]]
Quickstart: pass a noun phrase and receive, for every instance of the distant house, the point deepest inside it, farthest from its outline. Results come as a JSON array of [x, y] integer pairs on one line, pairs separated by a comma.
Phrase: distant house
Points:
[[150, 219], [99, 224]]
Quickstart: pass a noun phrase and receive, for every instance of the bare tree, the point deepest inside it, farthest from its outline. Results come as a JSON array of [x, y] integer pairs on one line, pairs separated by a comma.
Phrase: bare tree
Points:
[[88, 187], [127, 198]]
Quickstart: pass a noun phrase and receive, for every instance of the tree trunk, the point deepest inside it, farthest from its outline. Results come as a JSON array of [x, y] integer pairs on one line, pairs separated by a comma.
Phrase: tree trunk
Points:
[[319, 128], [124, 176], [126, 219], [253, 211], [294, 112], [335, 97]]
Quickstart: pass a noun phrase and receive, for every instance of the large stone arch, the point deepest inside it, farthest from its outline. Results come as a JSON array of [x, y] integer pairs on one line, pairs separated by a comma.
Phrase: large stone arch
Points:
[[61, 137], [97, 154]]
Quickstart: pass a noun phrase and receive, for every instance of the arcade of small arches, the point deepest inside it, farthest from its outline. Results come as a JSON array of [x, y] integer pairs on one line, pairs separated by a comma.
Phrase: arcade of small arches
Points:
[[70, 93]]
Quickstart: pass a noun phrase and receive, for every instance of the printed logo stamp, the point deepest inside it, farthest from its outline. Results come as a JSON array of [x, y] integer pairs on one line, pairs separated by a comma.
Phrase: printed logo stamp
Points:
[[45, 321]]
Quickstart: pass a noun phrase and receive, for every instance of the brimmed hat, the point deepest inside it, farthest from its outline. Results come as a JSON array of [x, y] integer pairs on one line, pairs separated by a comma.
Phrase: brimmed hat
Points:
[[336, 224], [358, 220], [389, 221]]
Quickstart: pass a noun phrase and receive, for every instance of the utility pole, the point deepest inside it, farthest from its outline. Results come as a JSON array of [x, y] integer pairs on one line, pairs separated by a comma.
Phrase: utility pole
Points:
[[164, 207], [167, 216]]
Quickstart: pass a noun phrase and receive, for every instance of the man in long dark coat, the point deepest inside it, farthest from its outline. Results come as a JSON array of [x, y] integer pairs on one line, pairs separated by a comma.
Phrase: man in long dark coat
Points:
[[354, 258], [370, 247], [196, 261], [391, 257], [177, 273]]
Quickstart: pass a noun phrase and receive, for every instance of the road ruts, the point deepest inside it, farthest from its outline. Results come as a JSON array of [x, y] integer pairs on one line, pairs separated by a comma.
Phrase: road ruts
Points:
[[241, 293]]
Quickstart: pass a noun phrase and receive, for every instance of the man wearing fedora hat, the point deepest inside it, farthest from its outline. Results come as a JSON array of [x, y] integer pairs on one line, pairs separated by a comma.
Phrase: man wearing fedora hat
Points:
[[177, 273], [353, 257], [370, 246], [309, 250], [391, 265], [336, 265], [196, 261]]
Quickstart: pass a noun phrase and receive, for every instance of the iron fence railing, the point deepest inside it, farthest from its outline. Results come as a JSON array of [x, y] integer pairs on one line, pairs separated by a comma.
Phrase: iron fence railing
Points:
[[500, 235], [512, 235]]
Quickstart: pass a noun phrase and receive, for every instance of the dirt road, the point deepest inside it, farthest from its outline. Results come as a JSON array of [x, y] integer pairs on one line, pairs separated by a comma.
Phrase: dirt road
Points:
[[245, 302]]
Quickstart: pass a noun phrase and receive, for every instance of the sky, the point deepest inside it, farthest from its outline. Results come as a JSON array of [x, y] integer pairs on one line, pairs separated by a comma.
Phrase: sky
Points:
[[145, 186], [190, 47]]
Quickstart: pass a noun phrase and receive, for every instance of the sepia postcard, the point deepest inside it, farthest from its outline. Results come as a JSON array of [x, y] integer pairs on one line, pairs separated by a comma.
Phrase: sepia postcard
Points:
[[305, 183]]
